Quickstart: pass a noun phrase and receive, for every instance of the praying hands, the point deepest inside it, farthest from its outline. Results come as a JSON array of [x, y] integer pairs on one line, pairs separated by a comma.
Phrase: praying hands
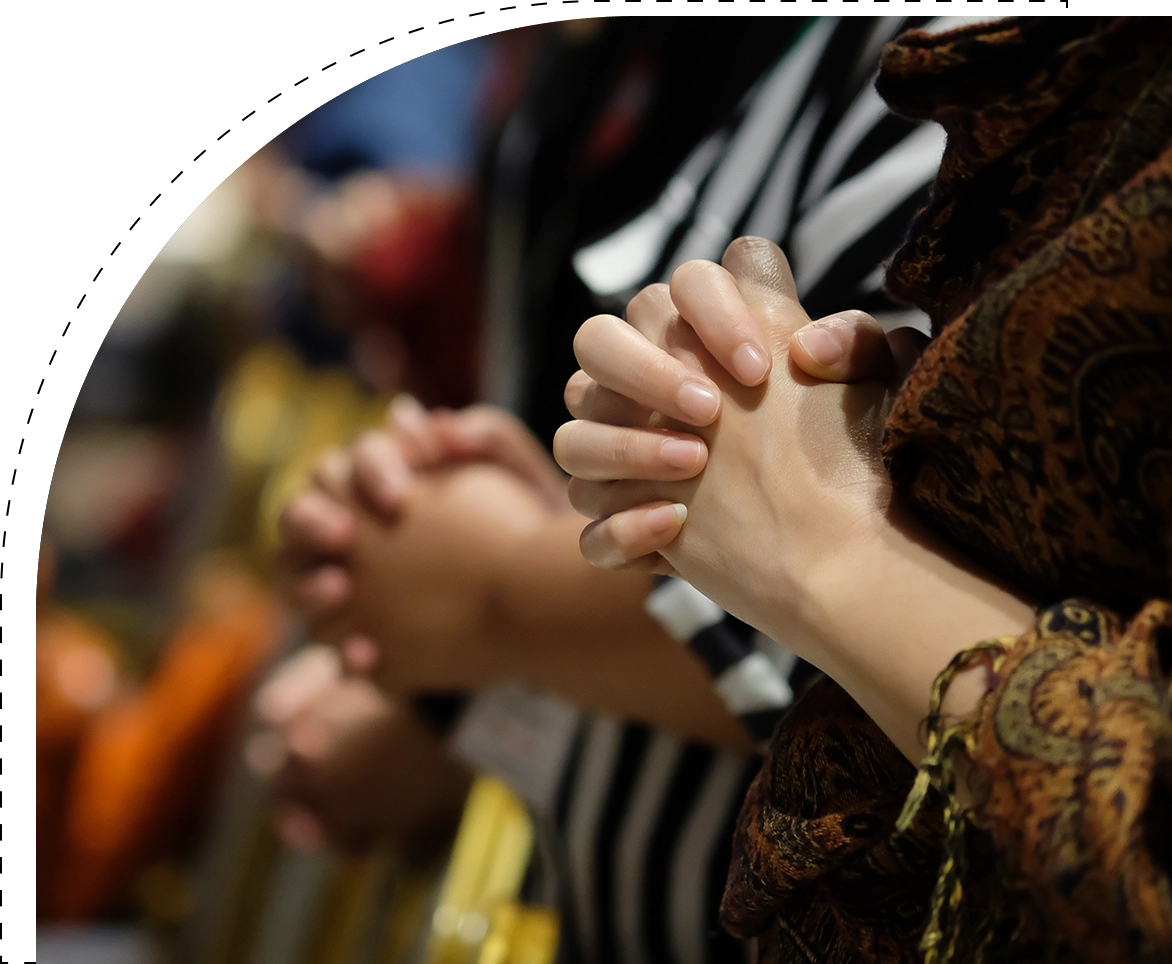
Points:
[[762, 484]]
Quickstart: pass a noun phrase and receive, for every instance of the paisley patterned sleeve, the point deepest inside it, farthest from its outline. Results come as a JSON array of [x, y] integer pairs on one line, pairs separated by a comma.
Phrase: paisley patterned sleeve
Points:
[[1070, 765], [1066, 849]]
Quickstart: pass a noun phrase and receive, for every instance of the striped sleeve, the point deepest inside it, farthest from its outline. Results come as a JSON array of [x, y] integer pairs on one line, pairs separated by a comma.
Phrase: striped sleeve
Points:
[[641, 833], [751, 685]]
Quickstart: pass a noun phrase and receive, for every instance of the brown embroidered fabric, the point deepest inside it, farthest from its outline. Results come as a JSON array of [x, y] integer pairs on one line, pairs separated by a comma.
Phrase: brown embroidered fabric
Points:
[[1035, 433], [821, 878], [1037, 429]]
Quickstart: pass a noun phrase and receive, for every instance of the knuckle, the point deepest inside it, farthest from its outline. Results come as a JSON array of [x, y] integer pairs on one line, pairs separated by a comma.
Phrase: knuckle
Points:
[[651, 300], [501, 421], [485, 418], [659, 378], [369, 444], [372, 450], [651, 381], [623, 448]]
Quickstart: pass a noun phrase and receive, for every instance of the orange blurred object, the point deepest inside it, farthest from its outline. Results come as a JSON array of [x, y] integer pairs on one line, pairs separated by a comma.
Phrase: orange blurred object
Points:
[[145, 767], [77, 675]]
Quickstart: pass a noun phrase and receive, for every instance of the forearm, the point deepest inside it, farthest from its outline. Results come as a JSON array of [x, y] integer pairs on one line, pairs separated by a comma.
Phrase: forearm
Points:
[[583, 632], [917, 603]]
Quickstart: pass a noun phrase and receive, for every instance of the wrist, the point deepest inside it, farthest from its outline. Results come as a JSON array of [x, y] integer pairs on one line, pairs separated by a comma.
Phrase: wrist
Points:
[[892, 607], [543, 590], [584, 633], [799, 594]]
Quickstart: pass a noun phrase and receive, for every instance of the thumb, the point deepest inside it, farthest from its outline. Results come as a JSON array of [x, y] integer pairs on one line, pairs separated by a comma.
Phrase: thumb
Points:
[[845, 347]]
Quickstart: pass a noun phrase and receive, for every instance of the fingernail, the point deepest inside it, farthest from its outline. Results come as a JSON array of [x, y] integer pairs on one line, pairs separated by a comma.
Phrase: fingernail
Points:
[[681, 453], [749, 364], [664, 517], [699, 403], [821, 345]]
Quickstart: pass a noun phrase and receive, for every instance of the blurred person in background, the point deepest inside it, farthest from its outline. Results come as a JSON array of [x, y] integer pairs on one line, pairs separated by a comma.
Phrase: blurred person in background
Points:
[[184, 625], [155, 613], [378, 191], [386, 207], [157, 616]]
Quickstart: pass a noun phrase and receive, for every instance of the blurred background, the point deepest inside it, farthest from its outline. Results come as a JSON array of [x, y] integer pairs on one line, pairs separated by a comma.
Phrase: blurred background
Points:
[[404, 237], [319, 279]]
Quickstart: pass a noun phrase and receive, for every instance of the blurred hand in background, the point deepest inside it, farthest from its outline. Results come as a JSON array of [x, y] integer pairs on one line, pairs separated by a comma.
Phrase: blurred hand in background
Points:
[[347, 765]]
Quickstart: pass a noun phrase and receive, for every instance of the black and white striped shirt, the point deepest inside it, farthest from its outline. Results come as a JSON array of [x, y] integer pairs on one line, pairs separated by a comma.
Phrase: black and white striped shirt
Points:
[[636, 834]]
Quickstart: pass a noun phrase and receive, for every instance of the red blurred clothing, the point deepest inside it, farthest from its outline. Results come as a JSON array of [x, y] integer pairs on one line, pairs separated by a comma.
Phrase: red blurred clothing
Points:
[[421, 276]]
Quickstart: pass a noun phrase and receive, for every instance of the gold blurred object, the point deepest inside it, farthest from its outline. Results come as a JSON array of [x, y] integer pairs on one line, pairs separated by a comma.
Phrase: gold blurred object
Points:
[[255, 416], [520, 935], [405, 929], [276, 418], [165, 893], [351, 898], [333, 410], [476, 918]]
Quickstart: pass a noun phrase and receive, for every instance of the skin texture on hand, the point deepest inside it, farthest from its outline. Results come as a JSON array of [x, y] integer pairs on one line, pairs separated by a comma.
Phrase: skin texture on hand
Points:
[[377, 473], [478, 582], [422, 582]]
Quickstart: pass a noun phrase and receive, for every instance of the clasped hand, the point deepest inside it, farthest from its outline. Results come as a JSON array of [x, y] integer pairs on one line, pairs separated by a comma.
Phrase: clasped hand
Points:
[[718, 401], [391, 552]]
